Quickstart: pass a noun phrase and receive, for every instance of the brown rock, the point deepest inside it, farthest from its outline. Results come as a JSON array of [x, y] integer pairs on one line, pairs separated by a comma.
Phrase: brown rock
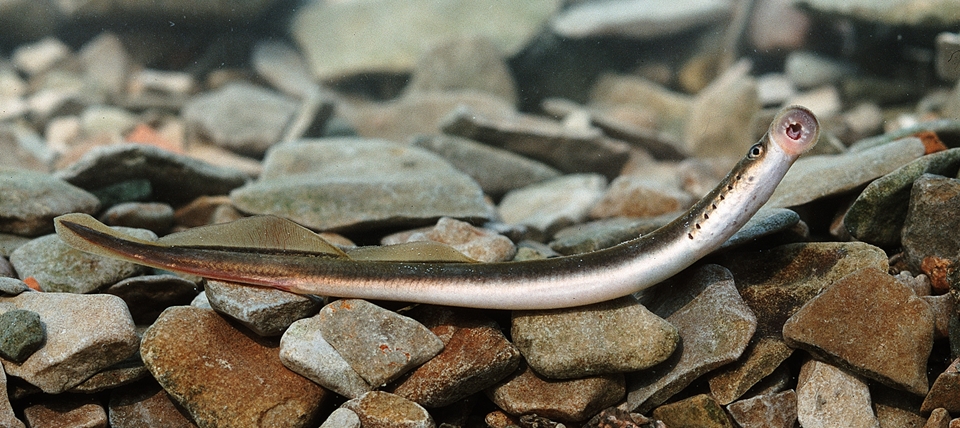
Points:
[[939, 418], [766, 411], [929, 240], [871, 324], [483, 245], [225, 376], [146, 405], [66, 411], [475, 356], [722, 114], [829, 397], [378, 409], [698, 411], [562, 400], [945, 392], [7, 418], [634, 196]]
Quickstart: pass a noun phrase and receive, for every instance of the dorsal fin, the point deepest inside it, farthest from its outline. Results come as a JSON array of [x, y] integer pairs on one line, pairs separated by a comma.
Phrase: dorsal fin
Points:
[[417, 251], [265, 232]]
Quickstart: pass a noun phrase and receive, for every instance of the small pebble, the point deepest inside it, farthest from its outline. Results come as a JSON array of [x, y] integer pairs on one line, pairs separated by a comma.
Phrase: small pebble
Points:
[[148, 295], [378, 409], [830, 397], [266, 311], [551, 205], [766, 411], [303, 350], [929, 242], [31, 201], [21, 334], [482, 245], [698, 411], [155, 217], [40, 56], [635, 196], [943, 392], [342, 418], [571, 400], [64, 411]]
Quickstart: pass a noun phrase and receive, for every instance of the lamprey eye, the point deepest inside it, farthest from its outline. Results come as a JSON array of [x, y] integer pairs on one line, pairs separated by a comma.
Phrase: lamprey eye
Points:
[[755, 151], [795, 130]]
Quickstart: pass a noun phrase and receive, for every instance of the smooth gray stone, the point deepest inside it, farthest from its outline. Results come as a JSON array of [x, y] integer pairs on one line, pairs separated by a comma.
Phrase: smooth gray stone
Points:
[[303, 350], [21, 334], [266, 311], [32, 199]]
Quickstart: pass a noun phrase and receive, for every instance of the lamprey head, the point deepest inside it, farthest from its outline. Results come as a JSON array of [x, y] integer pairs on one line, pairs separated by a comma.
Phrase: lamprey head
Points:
[[794, 131]]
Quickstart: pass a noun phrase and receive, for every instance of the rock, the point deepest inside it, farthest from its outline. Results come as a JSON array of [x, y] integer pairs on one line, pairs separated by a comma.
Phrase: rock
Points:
[[475, 356], [174, 178], [766, 222], [60, 268], [40, 56], [241, 117], [470, 63], [775, 283], [145, 404], [7, 417], [610, 337], [135, 190], [563, 400], [883, 332], [714, 324], [9, 243], [939, 418], [106, 63], [824, 102], [638, 19], [266, 311], [497, 171], [75, 410], [597, 235], [343, 183], [829, 397], [810, 70], [342, 418], [303, 350], [224, 376], [774, 89], [697, 411], [379, 344], [553, 204], [943, 393], [400, 32], [21, 334], [814, 177], [943, 307], [155, 217], [31, 201], [766, 411], [567, 149], [148, 295], [778, 26], [84, 335], [483, 245], [123, 373], [914, 13], [636, 196], [665, 110], [929, 244], [890, 195], [947, 44], [377, 409], [12, 286], [721, 115]]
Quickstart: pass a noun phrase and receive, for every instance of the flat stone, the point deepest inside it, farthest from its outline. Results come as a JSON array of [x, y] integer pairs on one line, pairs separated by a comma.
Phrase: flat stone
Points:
[[84, 335], [708, 133], [929, 242], [148, 295], [347, 183], [342, 418], [133, 190], [551, 205], [636, 196], [58, 267], [871, 324], [766, 222], [497, 171], [475, 356], [775, 283], [155, 217], [945, 392], [830, 397], [303, 350], [123, 373], [617, 336], [715, 326], [571, 150], [7, 417], [909, 13], [600, 234], [73, 410], [378, 409], [766, 411], [698, 411], [224, 376], [483, 245], [32, 199], [21, 334], [569, 400], [242, 117], [943, 307], [143, 405], [13, 286], [878, 214], [814, 177], [464, 63], [638, 19], [379, 344], [622, 94], [174, 178], [400, 32], [266, 311]]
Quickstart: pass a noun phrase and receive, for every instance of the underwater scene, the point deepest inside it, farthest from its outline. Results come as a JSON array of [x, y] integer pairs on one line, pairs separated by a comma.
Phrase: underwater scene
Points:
[[462, 213]]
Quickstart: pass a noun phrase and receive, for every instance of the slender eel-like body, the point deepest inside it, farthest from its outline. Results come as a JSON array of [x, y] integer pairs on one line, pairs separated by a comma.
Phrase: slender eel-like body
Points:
[[539, 284]]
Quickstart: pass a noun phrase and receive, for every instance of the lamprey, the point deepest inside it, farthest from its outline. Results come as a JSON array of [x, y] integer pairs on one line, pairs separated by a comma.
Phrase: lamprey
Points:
[[291, 261]]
